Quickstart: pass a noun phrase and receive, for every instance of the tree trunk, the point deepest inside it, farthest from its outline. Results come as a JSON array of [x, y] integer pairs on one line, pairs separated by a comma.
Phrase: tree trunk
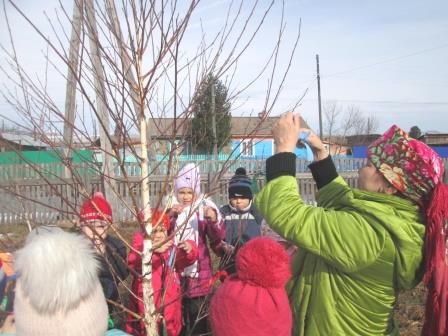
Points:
[[148, 293]]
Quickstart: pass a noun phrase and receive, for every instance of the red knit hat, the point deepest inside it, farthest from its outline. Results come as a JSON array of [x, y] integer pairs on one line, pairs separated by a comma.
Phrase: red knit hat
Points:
[[254, 301], [96, 208], [157, 218]]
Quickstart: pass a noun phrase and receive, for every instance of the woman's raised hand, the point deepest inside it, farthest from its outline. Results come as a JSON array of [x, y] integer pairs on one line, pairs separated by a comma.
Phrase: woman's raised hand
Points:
[[286, 132], [316, 144]]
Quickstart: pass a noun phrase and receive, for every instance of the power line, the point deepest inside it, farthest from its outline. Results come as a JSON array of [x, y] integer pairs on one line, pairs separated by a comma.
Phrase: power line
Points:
[[386, 61], [386, 102]]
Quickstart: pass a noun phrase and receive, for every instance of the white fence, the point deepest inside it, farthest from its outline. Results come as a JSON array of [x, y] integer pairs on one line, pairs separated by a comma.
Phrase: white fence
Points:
[[40, 201], [39, 194]]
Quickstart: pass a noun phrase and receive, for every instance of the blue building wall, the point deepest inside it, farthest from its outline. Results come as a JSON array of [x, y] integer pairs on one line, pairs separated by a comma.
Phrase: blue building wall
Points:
[[263, 149], [359, 151], [441, 150], [260, 149], [236, 148]]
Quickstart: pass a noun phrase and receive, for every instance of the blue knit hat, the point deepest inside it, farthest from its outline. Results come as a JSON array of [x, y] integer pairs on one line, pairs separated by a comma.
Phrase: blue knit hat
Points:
[[240, 185]]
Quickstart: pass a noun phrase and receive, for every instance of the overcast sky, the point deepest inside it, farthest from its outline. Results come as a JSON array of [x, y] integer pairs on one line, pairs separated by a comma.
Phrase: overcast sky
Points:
[[389, 58]]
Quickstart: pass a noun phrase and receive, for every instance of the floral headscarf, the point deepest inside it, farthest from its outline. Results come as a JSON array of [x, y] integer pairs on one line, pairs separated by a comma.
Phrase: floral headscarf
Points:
[[409, 165], [417, 171]]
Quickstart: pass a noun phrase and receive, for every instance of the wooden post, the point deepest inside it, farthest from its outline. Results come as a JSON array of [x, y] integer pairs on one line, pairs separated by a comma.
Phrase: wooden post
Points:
[[70, 93], [103, 116]]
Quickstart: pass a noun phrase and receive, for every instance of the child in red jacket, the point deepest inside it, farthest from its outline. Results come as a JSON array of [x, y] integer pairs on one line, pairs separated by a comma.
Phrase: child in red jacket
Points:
[[165, 277]]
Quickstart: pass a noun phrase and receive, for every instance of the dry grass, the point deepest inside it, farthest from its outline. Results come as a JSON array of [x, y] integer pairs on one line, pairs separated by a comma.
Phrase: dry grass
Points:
[[410, 311]]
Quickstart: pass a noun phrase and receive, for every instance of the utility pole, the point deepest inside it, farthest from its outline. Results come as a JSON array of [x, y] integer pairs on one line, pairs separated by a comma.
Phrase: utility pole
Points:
[[101, 104], [70, 93], [84, 12], [318, 97]]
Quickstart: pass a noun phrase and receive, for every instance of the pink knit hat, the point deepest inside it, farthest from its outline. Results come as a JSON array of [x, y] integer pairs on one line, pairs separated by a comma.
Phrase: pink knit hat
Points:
[[58, 291], [254, 301], [189, 177], [96, 207]]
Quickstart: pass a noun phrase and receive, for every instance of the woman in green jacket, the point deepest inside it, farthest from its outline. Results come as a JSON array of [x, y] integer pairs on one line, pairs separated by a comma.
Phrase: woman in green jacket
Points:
[[359, 247]]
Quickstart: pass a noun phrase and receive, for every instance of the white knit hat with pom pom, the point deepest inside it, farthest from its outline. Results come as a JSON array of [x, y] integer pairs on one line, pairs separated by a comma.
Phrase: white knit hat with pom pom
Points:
[[58, 291]]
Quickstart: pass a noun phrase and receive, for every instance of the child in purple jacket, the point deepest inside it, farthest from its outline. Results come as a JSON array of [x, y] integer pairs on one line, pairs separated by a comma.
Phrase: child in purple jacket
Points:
[[197, 219]]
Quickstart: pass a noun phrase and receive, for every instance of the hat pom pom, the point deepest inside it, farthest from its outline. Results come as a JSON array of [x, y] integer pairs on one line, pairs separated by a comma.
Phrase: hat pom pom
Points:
[[263, 262], [240, 171], [98, 194]]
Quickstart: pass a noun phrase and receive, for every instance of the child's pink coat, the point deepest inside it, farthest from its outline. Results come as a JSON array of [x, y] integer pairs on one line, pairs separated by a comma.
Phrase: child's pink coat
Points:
[[165, 280]]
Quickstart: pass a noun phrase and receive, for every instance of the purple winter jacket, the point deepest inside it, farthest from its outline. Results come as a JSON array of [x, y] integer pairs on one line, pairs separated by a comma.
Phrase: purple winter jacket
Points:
[[214, 232]]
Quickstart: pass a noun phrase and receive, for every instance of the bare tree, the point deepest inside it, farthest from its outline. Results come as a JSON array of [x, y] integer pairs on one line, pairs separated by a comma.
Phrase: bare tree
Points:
[[332, 112], [342, 121], [372, 124], [128, 65]]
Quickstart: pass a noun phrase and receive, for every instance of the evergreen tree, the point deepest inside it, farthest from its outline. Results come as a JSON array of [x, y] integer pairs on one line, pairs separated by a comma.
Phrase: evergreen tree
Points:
[[415, 132], [201, 128]]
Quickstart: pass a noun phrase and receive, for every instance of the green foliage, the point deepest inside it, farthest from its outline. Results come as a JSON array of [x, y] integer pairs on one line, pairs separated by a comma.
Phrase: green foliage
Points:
[[201, 128], [415, 132]]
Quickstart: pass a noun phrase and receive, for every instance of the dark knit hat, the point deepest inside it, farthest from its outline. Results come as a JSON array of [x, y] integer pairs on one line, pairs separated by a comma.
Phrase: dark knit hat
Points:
[[240, 185]]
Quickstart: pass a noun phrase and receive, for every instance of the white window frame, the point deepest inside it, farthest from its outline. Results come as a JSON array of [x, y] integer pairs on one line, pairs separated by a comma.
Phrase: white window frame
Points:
[[247, 147]]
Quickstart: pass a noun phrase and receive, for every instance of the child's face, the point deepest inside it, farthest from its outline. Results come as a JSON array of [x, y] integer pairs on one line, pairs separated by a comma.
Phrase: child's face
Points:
[[95, 230], [158, 235], [240, 203], [185, 196]]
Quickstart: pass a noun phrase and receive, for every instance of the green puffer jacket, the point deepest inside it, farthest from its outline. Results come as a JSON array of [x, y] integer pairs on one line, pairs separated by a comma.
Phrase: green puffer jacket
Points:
[[357, 250]]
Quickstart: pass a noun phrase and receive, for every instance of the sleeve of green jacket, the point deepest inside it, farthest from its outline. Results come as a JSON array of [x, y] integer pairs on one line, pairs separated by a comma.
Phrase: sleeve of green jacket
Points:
[[342, 237]]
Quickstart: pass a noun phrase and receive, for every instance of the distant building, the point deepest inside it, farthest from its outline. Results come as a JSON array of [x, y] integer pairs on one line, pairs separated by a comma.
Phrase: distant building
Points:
[[337, 146], [20, 142], [251, 137], [359, 143], [437, 141]]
